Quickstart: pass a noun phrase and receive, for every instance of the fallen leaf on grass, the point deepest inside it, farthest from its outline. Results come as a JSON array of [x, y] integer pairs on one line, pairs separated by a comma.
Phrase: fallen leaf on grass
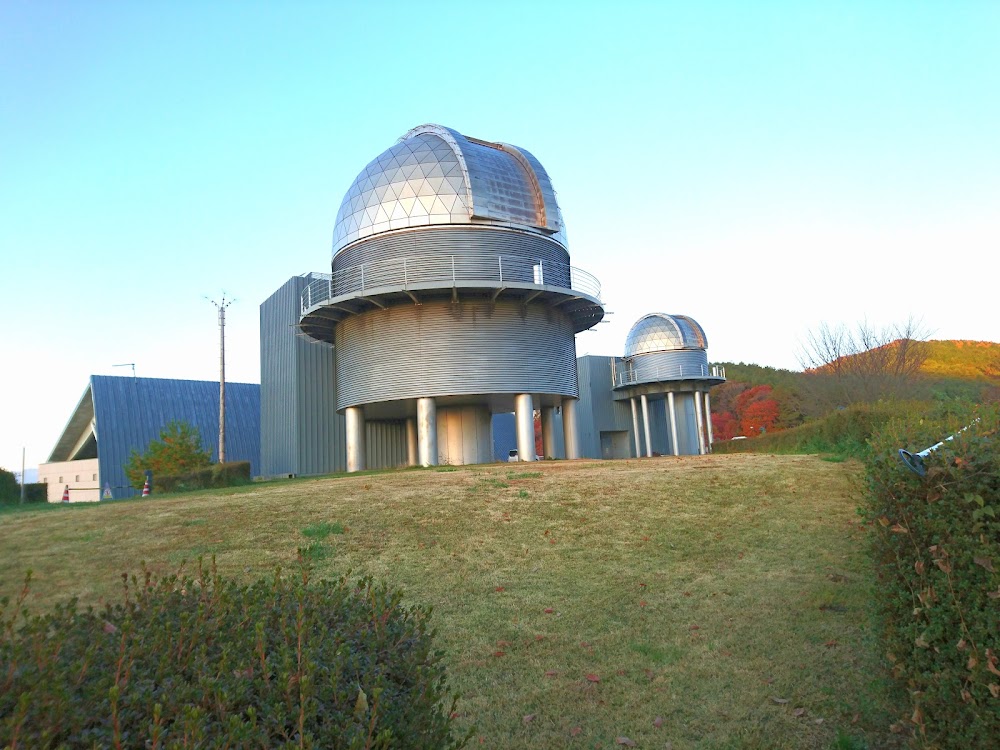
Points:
[[498, 589], [109, 627], [658, 722], [624, 741], [798, 712], [548, 610], [574, 731], [539, 637], [528, 719], [593, 678], [984, 562], [499, 653], [780, 701], [642, 602], [551, 673], [831, 643], [695, 627]]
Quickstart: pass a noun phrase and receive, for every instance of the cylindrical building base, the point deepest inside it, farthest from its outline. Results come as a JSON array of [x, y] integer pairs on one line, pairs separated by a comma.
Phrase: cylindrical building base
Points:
[[548, 432], [412, 456], [570, 436]]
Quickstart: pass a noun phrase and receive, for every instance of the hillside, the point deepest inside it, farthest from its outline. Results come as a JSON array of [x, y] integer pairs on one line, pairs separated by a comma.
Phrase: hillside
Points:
[[963, 360], [713, 601]]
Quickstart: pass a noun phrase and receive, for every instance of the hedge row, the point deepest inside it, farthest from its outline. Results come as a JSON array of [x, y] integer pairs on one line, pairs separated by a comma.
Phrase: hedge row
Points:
[[230, 474], [203, 662], [936, 542]]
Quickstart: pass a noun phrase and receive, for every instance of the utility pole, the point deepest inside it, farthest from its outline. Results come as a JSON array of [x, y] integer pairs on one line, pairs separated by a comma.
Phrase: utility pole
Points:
[[22, 475], [221, 307]]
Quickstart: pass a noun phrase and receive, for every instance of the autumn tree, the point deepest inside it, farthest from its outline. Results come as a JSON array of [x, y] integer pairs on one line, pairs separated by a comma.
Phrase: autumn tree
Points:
[[863, 364], [179, 450]]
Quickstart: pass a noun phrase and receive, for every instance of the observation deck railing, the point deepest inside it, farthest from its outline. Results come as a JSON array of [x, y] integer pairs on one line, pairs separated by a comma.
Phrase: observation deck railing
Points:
[[446, 271], [631, 376]]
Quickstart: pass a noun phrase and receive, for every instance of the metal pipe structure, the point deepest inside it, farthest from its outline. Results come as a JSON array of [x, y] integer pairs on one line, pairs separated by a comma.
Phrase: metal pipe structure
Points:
[[700, 418], [570, 435], [548, 432], [427, 439], [672, 418], [524, 418], [412, 454], [708, 420], [645, 425], [355, 428], [915, 461], [635, 428]]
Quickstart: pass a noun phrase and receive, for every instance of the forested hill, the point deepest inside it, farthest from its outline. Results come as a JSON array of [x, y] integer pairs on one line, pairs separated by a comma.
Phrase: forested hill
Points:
[[964, 360]]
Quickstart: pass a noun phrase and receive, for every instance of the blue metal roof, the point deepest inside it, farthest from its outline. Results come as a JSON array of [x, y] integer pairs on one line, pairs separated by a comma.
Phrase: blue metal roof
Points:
[[129, 413]]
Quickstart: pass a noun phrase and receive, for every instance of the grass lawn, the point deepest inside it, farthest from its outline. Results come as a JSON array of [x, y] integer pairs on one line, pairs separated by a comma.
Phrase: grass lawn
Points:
[[714, 601]]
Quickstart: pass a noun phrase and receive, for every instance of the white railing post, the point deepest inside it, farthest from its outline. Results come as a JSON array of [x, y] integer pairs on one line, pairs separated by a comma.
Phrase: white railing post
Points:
[[453, 283], [405, 280], [500, 265], [362, 278]]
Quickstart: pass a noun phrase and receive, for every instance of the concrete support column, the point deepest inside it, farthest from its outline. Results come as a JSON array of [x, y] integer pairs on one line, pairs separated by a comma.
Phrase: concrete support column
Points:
[[645, 425], [524, 422], [354, 417], [427, 432], [635, 428], [548, 432], [570, 435], [700, 419], [708, 420], [412, 455], [672, 419]]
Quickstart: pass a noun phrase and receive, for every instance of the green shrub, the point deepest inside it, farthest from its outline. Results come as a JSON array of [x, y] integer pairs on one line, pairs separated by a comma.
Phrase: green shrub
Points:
[[844, 432], [230, 474], [178, 451], [936, 543], [203, 662]]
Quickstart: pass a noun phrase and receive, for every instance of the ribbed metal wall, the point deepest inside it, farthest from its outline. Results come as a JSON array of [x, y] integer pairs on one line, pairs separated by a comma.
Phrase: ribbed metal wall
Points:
[[504, 435], [597, 411], [131, 412], [385, 444], [441, 348], [301, 432], [678, 363], [461, 240]]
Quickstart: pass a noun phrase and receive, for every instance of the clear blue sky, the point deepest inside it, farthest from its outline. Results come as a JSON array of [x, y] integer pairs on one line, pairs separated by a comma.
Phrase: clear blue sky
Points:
[[762, 167]]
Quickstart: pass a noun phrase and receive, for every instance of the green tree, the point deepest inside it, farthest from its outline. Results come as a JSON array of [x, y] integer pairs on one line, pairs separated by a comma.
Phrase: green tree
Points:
[[10, 491], [179, 450]]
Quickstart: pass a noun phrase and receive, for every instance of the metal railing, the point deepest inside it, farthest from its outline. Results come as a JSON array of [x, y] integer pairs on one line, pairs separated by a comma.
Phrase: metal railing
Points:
[[676, 372], [430, 271]]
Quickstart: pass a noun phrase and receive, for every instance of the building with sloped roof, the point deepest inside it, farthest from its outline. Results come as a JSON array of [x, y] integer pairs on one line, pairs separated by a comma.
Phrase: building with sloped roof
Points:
[[117, 415]]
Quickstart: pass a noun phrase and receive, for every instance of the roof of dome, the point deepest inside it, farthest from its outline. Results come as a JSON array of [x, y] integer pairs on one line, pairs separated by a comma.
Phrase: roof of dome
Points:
[[436, 175], [659, 332]]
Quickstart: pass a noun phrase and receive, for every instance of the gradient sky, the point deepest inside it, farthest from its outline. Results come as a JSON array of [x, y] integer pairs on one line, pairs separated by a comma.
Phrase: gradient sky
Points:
[[762, 167]]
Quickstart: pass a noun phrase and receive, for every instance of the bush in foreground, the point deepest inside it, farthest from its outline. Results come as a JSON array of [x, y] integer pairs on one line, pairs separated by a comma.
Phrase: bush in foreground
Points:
[[936, 543], [204, 662], [229, 474]]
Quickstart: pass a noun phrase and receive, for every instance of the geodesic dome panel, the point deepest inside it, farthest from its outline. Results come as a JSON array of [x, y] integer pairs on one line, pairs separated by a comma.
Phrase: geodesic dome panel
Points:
[[659, 332]]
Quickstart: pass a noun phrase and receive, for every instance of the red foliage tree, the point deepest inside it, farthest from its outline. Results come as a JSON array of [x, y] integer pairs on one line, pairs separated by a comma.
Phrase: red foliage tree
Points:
[[759, 416], [724, 425]]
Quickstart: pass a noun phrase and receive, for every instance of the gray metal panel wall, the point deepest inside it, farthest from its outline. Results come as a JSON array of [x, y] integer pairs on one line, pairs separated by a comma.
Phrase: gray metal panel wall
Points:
[[461, 240], [504, 435], [385, 444], [131, 412], [301, 432], [465, 348], [598, 411], [464, 435], [687, 363]]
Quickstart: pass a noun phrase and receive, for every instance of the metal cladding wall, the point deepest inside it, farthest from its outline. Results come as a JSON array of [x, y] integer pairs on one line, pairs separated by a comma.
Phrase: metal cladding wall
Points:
[[301, 432], [129, 413], [597, 411], [504, 436], [464, 348], [679, 363], [464, 241]]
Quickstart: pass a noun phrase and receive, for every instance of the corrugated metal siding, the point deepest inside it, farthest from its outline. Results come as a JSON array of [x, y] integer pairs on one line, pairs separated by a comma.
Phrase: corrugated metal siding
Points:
[[131, 412], [463, 434], [464, 241], [301, 432], [441, 349], [385, 444], [681, 363], [597, 411], [504, 435]]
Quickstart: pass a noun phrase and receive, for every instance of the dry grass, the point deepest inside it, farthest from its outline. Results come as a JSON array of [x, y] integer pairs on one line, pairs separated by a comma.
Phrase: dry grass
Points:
[[700, 590]]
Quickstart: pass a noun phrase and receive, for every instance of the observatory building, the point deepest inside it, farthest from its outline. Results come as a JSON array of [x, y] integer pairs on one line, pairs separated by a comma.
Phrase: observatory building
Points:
[[451, 299], [658, 392]]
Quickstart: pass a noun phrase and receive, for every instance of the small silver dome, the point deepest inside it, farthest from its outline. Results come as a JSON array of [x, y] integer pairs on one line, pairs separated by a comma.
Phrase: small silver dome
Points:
[[659, 332], [436, 175]]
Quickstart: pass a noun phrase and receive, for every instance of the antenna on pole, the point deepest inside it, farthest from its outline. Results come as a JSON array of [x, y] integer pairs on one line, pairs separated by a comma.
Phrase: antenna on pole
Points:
[[128, 364], [221, 307]]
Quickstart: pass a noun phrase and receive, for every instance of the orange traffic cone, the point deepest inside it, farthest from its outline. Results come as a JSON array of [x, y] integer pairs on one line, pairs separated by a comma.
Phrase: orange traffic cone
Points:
[[145, 489], [66, 494]]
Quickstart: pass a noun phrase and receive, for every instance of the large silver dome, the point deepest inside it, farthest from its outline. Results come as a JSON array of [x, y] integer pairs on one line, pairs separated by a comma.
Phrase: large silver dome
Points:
[[659, 332], [436, 175]]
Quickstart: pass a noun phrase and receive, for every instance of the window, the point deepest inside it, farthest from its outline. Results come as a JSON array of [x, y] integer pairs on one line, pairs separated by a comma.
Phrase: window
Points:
[[95, 477], [77, 478], [60, 480]]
